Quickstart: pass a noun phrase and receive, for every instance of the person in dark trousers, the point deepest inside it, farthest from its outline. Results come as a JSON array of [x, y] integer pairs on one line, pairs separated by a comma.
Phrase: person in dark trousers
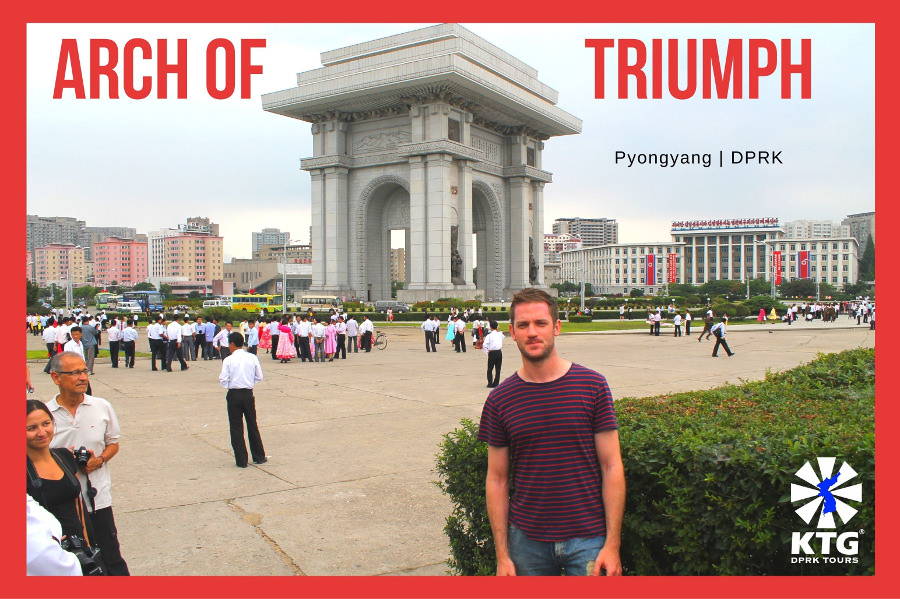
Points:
[[493, 347], [707, 325], [718, 330], [240, 373]]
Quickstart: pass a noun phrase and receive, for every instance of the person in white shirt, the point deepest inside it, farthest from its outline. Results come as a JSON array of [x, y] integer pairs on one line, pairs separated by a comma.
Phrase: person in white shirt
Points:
[[44, 556], [318, 337], [129, 342], [49, 336], [155, 336], [188, 348], [428, 327], [493, 346], [460, 340], [114, 334], [74, 344], [677, 322], [437, 330], [240, 373], [366, 328], [718, 330], [274, 334], [220, 341], [62, 333], [173, 333], [341, 330], [352, 334]]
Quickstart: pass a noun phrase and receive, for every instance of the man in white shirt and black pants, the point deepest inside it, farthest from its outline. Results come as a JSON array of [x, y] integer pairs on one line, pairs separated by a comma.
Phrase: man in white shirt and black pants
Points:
[[718, 330], [428, 327], [493, 344], [240, 373], [173, 333]]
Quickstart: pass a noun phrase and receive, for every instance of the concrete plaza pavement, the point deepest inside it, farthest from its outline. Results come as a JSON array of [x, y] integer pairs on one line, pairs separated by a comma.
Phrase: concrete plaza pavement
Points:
[[348, 486]]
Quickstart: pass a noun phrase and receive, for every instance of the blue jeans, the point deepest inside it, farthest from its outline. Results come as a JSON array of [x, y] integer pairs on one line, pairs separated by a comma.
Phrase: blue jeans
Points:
[[547, 558]]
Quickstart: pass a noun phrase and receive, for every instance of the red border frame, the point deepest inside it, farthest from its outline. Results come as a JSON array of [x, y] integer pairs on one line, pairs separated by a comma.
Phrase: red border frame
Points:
[[883, 584]]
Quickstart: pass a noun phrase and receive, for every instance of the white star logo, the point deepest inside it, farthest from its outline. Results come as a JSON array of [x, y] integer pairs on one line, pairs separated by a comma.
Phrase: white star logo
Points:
[[809, 509]]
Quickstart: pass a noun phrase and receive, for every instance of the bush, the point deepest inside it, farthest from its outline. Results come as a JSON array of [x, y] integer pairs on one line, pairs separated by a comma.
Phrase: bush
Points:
[[462, 467], [580, 318], [709, 473]]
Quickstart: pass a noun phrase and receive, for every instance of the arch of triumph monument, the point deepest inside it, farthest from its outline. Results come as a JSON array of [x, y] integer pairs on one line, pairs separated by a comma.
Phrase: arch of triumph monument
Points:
[[440, 134]]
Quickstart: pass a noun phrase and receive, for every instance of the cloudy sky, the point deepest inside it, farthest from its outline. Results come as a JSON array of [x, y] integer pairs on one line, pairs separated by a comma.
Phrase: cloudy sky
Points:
[[152, 163]]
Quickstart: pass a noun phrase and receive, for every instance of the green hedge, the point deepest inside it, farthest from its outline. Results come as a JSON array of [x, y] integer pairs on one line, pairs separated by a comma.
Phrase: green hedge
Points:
[[709, 473]]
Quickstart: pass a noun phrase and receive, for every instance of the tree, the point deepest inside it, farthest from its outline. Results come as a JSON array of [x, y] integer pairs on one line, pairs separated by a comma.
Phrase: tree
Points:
[[194, 294], [867, 263], [32, 293], [165, 289], [797, 288], [857, 289], [85, 292], [724, 287], [636, 293], [684, 289], [759, 286], [144, 287]]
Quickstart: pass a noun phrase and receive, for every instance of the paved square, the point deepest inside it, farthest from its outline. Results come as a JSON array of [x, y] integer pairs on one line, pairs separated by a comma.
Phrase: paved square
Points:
[[348, 486]]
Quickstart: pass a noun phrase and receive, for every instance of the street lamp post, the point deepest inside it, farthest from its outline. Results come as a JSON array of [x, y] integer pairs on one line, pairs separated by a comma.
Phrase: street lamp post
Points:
[[770, 270]]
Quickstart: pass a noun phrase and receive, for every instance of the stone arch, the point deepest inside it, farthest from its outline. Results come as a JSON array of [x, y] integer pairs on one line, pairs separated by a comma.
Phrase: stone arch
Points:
[[491, 281], [379, 189]]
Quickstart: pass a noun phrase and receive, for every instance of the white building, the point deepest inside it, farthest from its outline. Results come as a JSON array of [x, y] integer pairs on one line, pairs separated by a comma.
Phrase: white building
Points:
[[621, 267], [269, 237], [591, 231], [809, 229], [554, 244]]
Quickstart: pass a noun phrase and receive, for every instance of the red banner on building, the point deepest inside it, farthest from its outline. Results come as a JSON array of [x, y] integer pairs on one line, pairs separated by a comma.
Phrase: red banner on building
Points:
[[776, 266], [803, 265], [651, 269], [672, 268]]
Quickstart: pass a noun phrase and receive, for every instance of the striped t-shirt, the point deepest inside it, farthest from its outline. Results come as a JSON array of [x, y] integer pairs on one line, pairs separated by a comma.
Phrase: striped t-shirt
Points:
[[549, 429]]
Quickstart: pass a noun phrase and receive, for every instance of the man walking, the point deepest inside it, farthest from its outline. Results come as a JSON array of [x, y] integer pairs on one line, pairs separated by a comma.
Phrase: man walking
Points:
[[114, 334], [85, 421], [341, 330], [317, 332], [676, 320], [566, 510], [460, 339], [90, 340], [49, 336], [156, 332], [173, 333], [240, 373], [492, 346], [129, 342], [707, 325], [718, 330], [188, 349]]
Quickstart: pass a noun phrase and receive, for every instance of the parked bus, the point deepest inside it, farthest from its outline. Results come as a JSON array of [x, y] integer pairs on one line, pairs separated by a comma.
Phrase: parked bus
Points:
[[256, 302], [320, 303], [106, 300], [149, 301]]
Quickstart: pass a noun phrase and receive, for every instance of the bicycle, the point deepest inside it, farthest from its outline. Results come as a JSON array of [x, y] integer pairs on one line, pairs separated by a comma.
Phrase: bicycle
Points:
[[380, 340]]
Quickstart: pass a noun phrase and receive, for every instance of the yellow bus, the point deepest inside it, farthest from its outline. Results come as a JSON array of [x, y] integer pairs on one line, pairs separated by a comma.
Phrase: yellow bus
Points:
[[320, 303], [255, 302]]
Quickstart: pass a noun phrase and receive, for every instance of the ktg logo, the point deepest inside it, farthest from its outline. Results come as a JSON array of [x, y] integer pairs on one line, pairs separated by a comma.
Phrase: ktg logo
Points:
[[824, 498]]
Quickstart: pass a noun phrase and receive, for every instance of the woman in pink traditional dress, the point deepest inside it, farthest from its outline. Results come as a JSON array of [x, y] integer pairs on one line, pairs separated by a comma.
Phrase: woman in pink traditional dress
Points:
[[285, 350], [265, 336], [762, 315], [330, 341]]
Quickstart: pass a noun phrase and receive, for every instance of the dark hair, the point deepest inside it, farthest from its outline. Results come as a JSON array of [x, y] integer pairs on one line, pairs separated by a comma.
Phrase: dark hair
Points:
[[35, 404], [75, 329], [532, 295], [284, 320], [236, 339], [129, 322], [494, 324]]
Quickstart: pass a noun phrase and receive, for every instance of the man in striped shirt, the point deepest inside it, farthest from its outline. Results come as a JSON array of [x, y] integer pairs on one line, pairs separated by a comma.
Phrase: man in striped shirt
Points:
[[555, 421]]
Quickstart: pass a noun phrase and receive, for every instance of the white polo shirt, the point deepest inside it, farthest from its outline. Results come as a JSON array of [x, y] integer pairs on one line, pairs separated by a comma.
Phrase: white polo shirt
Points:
[[94, 426]]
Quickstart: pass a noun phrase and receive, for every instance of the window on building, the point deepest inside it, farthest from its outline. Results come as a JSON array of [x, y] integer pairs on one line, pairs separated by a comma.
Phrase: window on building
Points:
[[845, 279], [834, 256], [834, 246], [846, 256], [834, 279], [453, 130], [846, 246]]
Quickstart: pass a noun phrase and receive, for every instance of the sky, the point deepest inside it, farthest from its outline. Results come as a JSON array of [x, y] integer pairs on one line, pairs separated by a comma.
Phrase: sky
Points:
[[152, 163]]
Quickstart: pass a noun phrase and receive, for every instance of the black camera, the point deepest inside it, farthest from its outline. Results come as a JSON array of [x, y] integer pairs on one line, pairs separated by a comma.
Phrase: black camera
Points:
[[82, 455], [88, 557]]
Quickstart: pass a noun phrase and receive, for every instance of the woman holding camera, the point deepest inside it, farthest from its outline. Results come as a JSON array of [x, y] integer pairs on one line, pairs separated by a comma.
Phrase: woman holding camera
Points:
[[51, 475]]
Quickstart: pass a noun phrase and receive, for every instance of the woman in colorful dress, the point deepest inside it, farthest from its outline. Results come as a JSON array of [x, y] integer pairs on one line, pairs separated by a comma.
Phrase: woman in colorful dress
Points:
[[265, 336], [285, 350], [762, 315], [330, 341]]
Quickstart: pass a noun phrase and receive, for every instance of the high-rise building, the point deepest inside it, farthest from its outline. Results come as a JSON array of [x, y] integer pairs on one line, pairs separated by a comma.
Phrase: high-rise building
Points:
[[197, 224], [811, 229], [59, 263], [554, 244], [591, 231], [41, 231], [293, 254], [269, 237], [862, 226], [123, 261], [398, 264]]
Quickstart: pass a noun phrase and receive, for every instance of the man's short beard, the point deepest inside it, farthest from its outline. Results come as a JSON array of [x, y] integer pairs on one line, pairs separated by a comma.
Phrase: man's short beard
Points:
[[548, 351]]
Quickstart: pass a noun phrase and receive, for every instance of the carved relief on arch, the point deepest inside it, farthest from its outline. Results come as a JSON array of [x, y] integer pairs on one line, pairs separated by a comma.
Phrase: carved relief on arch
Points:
[[361, 208], [492, 196]]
